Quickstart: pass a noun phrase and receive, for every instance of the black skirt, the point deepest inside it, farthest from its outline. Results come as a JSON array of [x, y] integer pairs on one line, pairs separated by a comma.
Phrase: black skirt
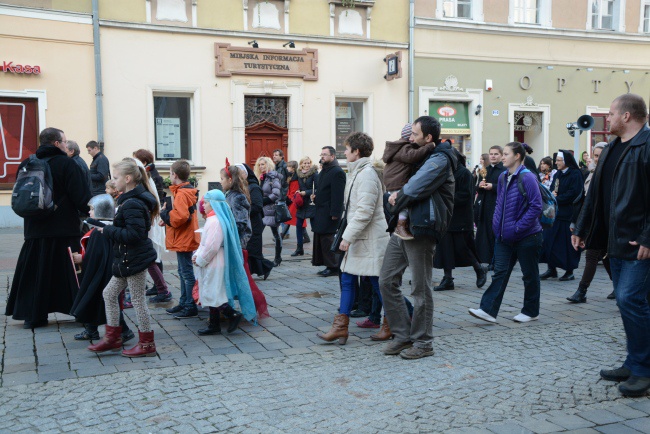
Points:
[[96, 268], [557, 250], [485, 242], [456, 249], [45, 279]]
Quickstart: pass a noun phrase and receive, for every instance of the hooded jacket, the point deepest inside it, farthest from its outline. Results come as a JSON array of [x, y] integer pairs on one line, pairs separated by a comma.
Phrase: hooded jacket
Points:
[[272, 189], [401, 158], [307, 182], [429, 195], [629, 218], [133, 251], [181, 223]]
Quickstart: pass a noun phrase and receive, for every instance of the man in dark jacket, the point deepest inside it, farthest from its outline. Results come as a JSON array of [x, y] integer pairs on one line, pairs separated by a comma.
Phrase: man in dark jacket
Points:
[[100, 170], [45, 279], [429, 197], [281, 168], [330, 189], [616, 216]]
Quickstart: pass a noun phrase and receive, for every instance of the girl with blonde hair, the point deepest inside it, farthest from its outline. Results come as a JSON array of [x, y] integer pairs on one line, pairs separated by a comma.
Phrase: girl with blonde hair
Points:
[[271, 183]]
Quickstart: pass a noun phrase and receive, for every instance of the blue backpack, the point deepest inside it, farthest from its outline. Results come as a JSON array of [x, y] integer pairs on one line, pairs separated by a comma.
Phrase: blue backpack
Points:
[[549, 203]]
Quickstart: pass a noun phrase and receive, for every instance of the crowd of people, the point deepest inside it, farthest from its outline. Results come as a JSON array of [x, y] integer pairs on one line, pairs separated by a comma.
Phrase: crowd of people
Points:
[[418, 207]]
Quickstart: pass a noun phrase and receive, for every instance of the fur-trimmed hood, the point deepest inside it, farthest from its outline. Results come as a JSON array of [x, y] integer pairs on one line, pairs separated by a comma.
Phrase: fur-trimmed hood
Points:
[[309, 173]]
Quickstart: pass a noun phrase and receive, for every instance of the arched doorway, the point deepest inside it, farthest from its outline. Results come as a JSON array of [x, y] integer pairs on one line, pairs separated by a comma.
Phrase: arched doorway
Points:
[[266, 127]]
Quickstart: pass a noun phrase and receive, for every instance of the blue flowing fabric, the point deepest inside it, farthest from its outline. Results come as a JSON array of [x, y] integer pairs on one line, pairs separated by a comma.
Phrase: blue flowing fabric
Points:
[[235, 278]]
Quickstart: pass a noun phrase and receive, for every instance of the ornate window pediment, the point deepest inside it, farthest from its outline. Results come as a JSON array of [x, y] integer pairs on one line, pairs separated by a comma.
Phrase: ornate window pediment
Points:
[[350, 21]]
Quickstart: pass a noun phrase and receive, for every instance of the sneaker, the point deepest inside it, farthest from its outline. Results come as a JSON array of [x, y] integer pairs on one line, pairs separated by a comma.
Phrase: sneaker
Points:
[[402, 230], [525, 318], [618, 374], [367, 324], [480, 314], [635, 386], [416, 353], [395, 347], [161, 298], [187, 312], [173, 310], [151, 291]]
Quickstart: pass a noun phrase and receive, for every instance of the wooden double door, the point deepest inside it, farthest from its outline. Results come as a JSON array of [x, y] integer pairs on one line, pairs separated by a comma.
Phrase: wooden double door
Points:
[[263, 138]]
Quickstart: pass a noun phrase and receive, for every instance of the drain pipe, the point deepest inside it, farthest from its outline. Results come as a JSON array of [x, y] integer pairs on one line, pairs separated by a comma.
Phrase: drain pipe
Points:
[[411, 57], [98, 76]]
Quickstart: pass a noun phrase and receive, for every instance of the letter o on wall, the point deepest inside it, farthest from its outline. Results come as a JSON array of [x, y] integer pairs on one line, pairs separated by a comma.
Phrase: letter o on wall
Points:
[[525, 82]]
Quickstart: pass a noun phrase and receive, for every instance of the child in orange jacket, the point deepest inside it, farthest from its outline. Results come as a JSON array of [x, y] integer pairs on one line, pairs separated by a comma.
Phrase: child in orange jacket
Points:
[[182, 222]]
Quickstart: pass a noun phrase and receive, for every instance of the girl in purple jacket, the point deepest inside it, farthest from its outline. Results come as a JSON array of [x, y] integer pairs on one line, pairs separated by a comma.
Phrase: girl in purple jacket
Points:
[[518, 235]]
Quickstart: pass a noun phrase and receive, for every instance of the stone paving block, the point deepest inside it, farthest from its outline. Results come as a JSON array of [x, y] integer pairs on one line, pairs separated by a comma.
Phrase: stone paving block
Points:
[[10, 369], [508, 428], [266, 354], [92, 372], [616, 428], [541, 426], [600, 416], [641, 405], [569, 421], [641, 424], [19, 378], [56, 376]]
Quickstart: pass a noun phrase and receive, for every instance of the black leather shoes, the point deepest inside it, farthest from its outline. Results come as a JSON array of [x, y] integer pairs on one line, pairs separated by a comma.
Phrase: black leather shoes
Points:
[[298, 252], [447, 284], [580, 296], [618, 374], [551, 272], [635, 386], [35, 324], [566, 277], [611, 296], [358, 313], [322, 272], [328, 272]]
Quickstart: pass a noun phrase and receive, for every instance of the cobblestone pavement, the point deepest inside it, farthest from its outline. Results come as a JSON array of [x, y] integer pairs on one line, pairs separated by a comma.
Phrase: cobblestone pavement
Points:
[[277, 377]]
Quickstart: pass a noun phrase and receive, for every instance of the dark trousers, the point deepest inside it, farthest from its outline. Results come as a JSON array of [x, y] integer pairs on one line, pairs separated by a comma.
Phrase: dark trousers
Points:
[[186, 276], [527, 252], [592, 256]]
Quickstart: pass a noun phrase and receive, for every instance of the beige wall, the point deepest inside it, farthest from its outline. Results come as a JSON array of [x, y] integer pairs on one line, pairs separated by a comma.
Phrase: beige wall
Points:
[[220, 14], [390, 22], [355, 70], [577, 19], [123, 10], [64, 51], [308, 17]]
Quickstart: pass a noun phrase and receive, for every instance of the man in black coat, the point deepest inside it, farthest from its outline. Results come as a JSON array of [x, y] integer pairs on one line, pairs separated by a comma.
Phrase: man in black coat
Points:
[[100, 168], [486, 201], [45, 279], [330, 189]]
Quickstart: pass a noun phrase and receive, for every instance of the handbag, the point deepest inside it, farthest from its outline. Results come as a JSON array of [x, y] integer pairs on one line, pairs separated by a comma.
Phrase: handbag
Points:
[[343, 224], [282, 213], [298, 200]]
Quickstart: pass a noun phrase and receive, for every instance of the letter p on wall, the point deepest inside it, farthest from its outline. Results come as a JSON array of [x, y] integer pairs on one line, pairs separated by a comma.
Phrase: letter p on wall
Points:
[[560, 84]]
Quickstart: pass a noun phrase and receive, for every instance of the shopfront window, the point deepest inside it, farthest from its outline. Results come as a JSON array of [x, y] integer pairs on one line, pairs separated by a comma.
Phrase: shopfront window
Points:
[[349, 119], [454, 122], [172, 119]]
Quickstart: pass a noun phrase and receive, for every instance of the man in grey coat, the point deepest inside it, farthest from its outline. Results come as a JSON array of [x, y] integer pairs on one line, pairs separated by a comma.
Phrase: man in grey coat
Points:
[[73, 151], [429, 197]]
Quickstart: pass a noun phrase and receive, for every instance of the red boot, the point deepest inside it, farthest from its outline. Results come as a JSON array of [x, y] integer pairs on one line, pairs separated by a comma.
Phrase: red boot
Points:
[[145, 347], [112, 341]]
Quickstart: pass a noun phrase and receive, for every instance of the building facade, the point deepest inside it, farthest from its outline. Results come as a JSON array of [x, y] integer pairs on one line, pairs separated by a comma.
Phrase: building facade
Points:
[[208, 80], [495, 71]]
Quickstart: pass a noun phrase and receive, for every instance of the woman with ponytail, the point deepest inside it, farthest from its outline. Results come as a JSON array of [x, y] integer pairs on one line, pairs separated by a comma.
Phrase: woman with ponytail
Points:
[[133, 254]]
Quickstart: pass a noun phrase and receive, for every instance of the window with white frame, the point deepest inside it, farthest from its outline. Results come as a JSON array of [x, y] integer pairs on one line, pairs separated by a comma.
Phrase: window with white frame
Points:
[[173, 126], [607, 15], [460, 9], [349, 118], [644, 26], [526, 11]]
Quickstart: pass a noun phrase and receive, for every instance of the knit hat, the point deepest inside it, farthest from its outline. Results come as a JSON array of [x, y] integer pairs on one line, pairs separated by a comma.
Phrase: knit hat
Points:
[[406, 131]]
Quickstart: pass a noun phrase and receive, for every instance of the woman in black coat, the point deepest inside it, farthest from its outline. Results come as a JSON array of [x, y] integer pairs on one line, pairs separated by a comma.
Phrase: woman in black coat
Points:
[[256, 262], [567, 186], [486, 202], [457, 248], [307, 177]]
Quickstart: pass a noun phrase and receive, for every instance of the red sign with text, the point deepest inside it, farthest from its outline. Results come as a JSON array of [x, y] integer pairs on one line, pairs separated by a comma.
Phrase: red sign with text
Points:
[[16, 68]]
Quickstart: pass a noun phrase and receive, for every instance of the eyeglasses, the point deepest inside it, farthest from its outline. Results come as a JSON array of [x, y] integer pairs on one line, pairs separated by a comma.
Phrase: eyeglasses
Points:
[[325, 155]]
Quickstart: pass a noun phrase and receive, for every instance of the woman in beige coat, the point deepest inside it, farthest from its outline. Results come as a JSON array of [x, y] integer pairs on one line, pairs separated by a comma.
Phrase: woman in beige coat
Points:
[[365, 237]]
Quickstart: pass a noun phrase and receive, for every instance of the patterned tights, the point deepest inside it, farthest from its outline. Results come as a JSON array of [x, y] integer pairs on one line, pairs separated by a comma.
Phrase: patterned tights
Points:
[[137, 284]]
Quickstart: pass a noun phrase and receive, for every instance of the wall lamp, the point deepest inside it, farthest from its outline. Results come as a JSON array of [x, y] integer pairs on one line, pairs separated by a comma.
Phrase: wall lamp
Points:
[[549, 67], [478, 109], [254, 43], [625, 71], [290, 44], [585, 69]]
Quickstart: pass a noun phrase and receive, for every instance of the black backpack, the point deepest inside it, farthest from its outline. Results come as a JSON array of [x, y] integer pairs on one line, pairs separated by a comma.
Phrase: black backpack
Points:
[[32, 194]]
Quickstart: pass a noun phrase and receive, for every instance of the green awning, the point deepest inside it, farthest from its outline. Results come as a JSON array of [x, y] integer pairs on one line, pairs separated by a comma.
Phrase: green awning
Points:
[[453, 116]]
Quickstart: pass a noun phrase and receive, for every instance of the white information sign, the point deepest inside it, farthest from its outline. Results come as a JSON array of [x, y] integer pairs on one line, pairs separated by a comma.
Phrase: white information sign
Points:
[[168, 137], [495, 112]]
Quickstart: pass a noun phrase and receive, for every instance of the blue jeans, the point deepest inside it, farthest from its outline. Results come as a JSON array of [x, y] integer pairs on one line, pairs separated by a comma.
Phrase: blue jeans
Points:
[[186, 276], [348, 291], [631, 287], [527, 251]]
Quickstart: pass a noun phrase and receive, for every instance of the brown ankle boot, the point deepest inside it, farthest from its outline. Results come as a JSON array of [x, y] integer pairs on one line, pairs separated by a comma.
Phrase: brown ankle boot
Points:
[[145, 347], [112, 341], [338, 331], [384, 333], [402, 230]]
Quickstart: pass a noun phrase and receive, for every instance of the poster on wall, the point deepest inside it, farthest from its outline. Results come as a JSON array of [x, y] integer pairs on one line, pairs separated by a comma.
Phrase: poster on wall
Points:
[[168, 137]]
